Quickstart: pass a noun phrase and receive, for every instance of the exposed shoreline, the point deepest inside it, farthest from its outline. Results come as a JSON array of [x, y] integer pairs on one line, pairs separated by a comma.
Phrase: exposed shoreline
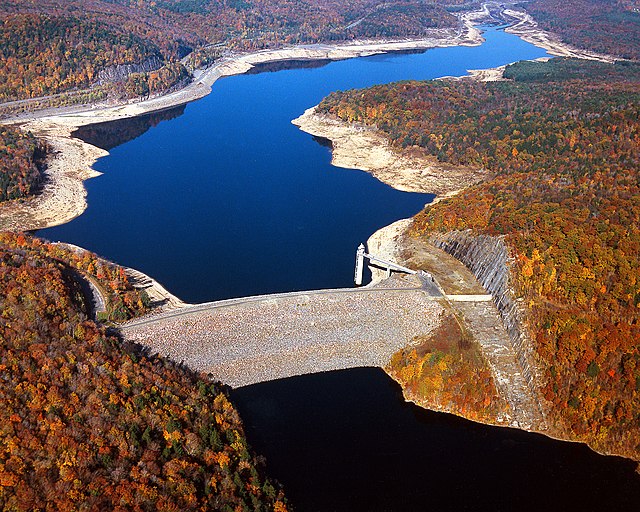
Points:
[[354, 147], [528, 30], [64, 194], [364, 148], [385, 244]]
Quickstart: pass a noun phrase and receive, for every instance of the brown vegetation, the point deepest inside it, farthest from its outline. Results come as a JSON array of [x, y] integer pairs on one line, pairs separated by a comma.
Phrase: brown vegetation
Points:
[[447, 371], [605, 26], [88, 422], [123, 301], [563, 143], [50, 47], [20, 159]]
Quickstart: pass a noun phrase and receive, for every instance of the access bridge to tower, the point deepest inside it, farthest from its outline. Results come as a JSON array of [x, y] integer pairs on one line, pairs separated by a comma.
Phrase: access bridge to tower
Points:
[[255, 339]]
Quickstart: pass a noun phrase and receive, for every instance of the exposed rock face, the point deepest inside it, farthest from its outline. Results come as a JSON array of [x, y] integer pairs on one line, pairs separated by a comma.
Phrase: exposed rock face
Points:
[[255, 339], [121, 72], [489, 260]]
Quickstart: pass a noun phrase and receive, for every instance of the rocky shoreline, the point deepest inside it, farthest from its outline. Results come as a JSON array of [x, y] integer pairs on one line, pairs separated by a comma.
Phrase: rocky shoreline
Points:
[[64, 195], [364, 148], [527, 29]]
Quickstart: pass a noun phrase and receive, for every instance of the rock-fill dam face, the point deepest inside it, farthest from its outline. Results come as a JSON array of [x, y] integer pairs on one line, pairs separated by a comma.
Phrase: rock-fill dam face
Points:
[[488, 258], [256, 339]]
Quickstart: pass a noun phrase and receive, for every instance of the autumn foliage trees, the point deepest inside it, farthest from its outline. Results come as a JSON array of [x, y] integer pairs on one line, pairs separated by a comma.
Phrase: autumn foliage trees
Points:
[[447, 371], [49, 47], [123, 300], [42, 55], [89, 422], [20, 159], [562, 141], [606, 26]]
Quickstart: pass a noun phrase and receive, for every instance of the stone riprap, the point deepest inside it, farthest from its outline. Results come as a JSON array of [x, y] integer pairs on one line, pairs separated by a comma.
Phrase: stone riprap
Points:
[[246, 341]]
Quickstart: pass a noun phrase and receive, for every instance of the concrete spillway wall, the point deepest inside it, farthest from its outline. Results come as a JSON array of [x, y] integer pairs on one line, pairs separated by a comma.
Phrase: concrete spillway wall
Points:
[[488, 258]]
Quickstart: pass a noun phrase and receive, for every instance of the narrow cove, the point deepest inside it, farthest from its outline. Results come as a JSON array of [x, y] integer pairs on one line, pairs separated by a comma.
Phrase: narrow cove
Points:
[[225, 198]]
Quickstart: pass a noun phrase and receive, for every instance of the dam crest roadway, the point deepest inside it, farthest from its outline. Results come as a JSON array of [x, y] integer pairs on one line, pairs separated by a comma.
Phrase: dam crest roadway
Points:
[[256, 339]]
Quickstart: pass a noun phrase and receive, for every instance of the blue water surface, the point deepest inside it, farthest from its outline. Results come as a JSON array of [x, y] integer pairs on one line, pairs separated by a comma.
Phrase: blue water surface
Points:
[[230, 199]]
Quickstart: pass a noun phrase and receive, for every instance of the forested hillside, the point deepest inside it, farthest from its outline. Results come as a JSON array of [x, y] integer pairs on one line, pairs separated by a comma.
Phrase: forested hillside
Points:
[[123, 301], [90, 423], [606, 26], [563, 143], [21, 154], [48, 47], [44, 55], [447, 371]]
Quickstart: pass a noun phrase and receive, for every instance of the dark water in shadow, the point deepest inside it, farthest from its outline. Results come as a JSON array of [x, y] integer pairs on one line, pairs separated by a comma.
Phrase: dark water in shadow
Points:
[[347, 441], [282, 65], [225, 198], [115, 133]]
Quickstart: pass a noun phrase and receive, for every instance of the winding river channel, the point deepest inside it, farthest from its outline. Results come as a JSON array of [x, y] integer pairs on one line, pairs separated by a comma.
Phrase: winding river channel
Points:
[[226, 198]]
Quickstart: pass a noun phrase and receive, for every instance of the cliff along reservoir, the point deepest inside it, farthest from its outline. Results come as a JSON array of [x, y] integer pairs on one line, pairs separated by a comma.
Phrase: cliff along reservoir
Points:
[[226, 198], [230, 199]]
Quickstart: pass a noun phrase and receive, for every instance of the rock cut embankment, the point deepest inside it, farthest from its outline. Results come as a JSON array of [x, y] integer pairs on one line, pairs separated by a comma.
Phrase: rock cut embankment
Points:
[[488, 258]]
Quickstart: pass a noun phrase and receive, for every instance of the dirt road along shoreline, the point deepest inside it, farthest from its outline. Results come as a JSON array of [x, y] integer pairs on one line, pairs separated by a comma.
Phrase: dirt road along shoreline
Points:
[[64, 195]]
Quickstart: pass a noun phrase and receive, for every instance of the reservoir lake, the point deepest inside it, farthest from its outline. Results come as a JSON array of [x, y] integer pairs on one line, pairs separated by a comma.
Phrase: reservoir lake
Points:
[[224, 197], [229, 199]]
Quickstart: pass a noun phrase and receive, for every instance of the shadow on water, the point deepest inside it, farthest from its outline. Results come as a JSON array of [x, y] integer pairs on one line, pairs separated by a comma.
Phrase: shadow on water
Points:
[[231, 183], [282, 65], [347, 440], [323, 141], [231, 199], [111, 134]]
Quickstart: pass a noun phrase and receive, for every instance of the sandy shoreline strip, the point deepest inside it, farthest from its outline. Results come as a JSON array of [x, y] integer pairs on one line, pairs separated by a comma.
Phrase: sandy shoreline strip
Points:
[[364, 148], [64, 195], [361, 147], [527, 29]]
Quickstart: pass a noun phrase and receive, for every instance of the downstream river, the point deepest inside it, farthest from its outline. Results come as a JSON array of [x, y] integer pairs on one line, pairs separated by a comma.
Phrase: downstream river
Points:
[[225, 198]]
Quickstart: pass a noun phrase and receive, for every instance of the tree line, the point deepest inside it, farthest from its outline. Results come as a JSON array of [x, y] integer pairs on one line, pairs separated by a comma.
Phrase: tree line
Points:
[[562, 142], [21, 159], [89, 422], [52, 47]]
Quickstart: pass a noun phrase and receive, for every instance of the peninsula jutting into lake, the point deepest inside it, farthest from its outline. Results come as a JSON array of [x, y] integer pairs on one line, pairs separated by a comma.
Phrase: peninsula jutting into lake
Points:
[[508, 192]]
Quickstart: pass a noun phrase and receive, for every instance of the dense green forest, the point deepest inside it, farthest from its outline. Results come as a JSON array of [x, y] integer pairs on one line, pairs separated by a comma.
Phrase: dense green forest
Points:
[[89, 422], [21, 156], [562, 142], [49, 47], [605, 26]]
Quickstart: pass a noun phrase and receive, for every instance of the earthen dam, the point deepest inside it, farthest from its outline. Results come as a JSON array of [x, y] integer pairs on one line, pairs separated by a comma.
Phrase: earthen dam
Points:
[[256, 339]]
